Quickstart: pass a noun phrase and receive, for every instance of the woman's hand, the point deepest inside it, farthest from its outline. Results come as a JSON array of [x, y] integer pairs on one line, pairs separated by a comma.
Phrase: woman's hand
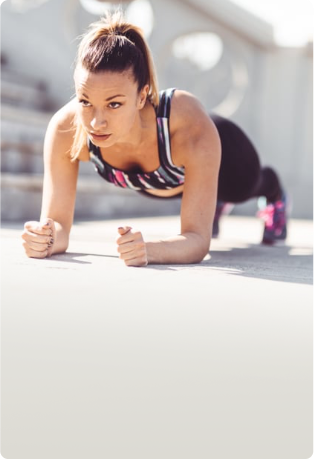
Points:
[[38, 238], [131, 247]]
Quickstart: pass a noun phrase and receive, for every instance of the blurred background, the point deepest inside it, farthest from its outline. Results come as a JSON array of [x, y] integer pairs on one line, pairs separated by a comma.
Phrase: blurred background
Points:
[[248, 60]]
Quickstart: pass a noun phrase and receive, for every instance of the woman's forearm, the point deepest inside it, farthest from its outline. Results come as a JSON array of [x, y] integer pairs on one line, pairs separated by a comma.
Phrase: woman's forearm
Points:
[[184, 248]]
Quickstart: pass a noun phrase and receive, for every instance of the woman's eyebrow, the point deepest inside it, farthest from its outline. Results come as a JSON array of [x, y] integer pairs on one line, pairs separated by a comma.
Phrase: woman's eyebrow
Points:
[[117, 95], [109, 98]]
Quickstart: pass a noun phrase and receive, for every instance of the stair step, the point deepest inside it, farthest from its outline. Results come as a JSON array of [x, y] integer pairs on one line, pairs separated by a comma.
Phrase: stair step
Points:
[[25, 115], [19, 78], [22, 157], [31, 147], [18, 95], [25, 182], [19, 124], [21, 89], [34, 181], [21, 196]]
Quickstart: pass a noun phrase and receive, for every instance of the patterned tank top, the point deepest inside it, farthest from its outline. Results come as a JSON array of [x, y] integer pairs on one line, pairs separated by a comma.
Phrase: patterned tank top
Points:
[[167, 175]]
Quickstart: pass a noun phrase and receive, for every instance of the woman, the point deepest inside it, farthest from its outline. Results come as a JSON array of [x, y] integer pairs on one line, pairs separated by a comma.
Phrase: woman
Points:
[[112, 122]]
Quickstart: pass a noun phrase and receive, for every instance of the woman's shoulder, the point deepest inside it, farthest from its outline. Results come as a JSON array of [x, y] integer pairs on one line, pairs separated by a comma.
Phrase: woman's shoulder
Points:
[[187, 112], [184, 102], [64, 118], [190, 127], [61, 131]]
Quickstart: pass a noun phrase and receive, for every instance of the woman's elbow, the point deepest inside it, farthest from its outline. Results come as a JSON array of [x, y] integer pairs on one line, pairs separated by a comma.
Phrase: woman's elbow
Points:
[[201, 250]]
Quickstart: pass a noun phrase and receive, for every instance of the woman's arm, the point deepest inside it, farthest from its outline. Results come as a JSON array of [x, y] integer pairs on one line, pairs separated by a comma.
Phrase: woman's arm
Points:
[[196, 145], [59, 190]]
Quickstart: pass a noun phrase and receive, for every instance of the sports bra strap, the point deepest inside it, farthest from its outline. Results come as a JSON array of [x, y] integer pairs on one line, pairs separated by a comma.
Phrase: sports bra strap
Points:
[[163, 109]]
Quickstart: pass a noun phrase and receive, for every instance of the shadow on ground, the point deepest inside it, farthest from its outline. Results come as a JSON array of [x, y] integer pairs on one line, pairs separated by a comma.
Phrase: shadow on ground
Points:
[[283, 264]]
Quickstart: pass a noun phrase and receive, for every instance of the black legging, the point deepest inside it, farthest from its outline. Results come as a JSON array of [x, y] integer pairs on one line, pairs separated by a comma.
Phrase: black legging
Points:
[[240, 176]]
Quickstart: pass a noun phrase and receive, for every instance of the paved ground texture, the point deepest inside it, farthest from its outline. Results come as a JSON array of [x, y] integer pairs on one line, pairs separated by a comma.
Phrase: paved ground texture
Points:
[[203, 361]]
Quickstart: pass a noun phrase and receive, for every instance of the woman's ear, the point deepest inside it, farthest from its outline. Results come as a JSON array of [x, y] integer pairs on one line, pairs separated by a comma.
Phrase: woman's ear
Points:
[[143, 96]]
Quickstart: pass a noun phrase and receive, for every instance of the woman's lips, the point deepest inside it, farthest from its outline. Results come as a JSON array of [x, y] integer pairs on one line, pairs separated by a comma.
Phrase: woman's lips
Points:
[[100, 136]]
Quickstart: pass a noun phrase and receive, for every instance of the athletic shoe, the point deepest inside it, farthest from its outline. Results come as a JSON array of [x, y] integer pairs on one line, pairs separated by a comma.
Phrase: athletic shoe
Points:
[[275, 218]]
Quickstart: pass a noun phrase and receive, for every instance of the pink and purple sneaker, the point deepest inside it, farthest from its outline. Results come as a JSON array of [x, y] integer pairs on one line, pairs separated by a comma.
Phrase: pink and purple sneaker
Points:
[[275, 218]]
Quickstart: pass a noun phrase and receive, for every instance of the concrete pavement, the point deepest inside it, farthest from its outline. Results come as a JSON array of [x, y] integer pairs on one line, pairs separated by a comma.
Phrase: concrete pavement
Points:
[[168, 362]]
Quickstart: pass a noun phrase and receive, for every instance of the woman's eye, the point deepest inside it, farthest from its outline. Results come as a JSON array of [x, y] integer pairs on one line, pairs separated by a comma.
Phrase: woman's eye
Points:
[[115, 105], [83, 102]]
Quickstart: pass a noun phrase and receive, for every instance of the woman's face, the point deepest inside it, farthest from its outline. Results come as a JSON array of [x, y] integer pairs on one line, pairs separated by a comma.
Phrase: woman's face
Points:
[[108, 105]]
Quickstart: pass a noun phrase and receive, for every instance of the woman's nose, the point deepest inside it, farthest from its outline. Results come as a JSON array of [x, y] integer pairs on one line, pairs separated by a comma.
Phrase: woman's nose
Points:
[[98, 122]]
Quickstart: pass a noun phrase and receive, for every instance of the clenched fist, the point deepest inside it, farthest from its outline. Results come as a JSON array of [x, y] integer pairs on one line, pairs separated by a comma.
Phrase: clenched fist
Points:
[[38, 238], [131, 247]]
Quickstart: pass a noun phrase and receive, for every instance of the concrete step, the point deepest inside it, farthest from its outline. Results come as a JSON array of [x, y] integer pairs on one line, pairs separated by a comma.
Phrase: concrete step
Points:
[[22, 90], [25, 115], [24, 96], [22, 124], [21, 196], [22, 157], [27, 157], [22, 138]]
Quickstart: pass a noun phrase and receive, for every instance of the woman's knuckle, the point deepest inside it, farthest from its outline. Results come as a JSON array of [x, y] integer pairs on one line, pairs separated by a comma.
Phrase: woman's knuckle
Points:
[[42, 254], [43, 249], [28, 251], [25, 235]]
